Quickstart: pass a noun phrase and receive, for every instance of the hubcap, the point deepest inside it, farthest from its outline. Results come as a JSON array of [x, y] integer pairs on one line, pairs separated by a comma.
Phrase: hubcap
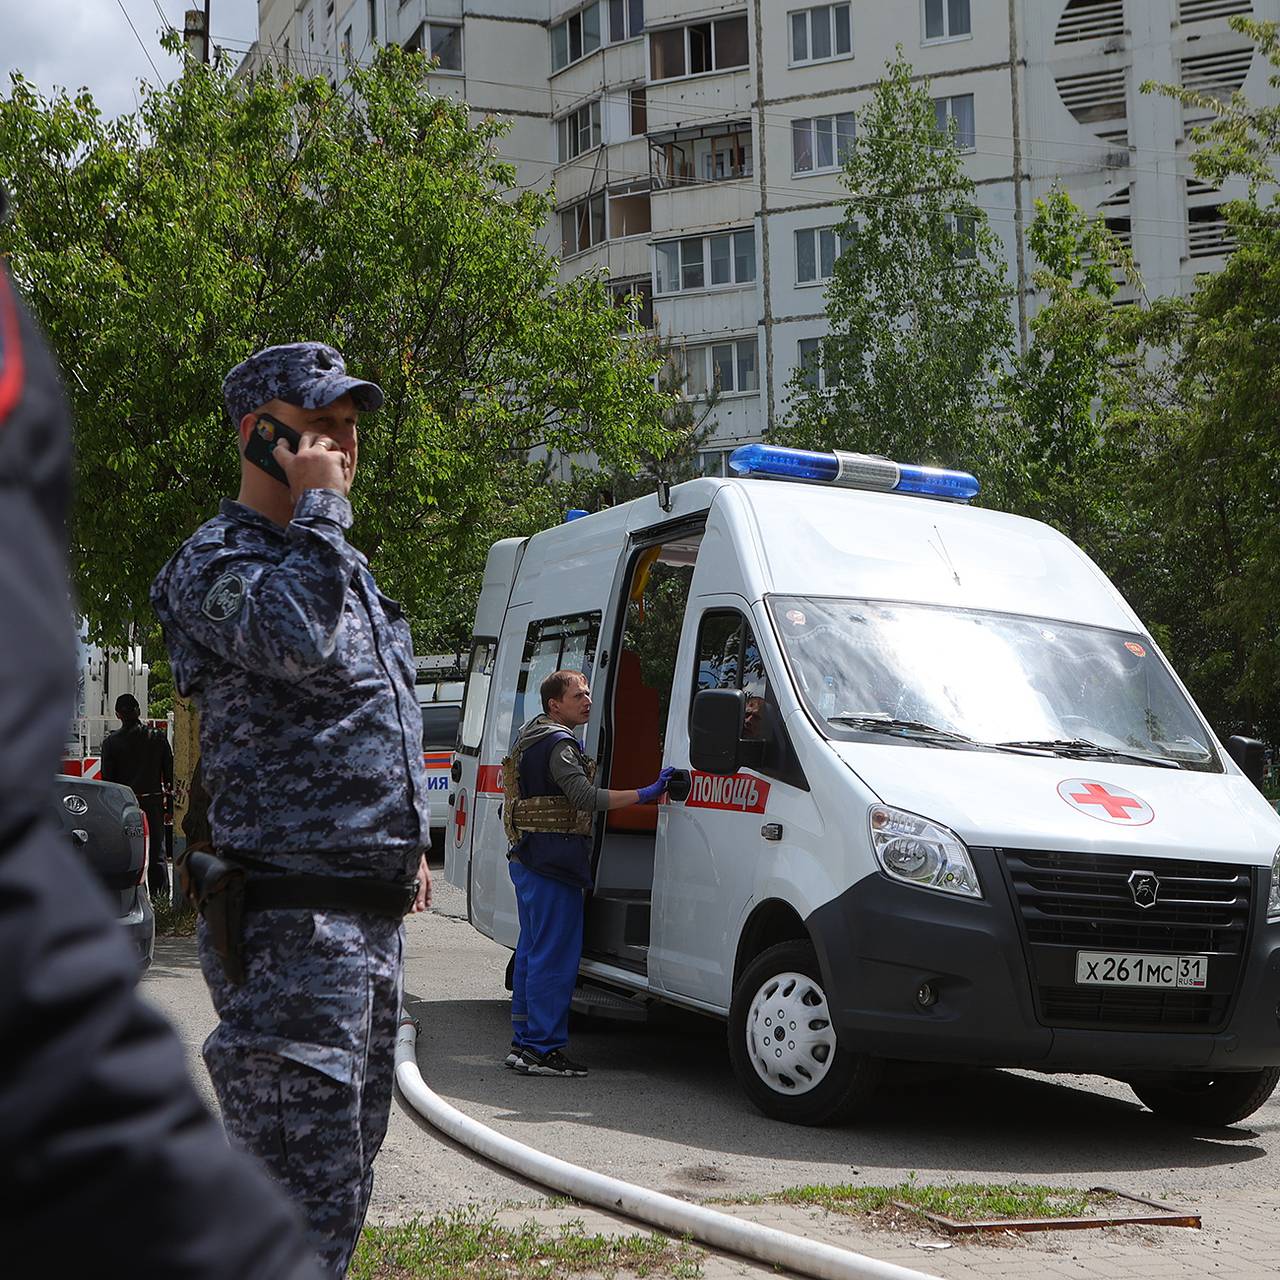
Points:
[[790, 1039]]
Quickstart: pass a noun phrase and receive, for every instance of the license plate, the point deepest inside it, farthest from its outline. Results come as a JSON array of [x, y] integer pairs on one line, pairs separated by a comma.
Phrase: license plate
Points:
[[1121, 969]]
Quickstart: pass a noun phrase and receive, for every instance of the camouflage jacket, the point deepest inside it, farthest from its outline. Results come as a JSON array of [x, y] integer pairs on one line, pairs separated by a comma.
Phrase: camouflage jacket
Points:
[[310, 730]]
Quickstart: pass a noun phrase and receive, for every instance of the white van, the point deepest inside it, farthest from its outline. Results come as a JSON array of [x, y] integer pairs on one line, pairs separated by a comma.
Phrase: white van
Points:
[[438, 685], [942, 798]]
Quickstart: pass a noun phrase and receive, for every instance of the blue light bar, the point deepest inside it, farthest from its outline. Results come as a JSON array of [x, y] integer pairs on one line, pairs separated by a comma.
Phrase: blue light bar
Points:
[[852, 470], [575, 513]]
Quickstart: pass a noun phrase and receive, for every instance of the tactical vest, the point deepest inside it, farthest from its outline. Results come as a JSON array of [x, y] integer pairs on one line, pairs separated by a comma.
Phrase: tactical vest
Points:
[[545, 832]]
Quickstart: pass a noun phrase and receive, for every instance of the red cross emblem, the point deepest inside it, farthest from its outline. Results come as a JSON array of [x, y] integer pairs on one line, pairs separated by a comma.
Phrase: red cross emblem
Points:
[[459, 818], [1108, 804]]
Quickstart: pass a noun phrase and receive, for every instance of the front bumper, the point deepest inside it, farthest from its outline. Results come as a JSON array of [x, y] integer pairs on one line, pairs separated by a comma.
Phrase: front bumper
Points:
[[880, 941], [139, 921]]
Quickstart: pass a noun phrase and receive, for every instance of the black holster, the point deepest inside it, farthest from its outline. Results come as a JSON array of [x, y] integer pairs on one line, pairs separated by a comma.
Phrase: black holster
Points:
[[215, 887]]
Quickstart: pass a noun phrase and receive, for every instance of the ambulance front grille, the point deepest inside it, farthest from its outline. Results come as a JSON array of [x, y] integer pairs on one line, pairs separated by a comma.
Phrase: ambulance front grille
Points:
[[1069, 902], [1127, 1007], [1084, 900]]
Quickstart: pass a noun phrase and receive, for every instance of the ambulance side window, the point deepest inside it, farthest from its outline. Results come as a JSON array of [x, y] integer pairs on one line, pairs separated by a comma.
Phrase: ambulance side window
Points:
[[553, 644], [729, 658], [476, 697]]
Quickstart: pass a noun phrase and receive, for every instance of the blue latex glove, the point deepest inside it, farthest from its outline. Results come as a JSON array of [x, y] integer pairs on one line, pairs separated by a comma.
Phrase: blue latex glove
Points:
[[655, 789]]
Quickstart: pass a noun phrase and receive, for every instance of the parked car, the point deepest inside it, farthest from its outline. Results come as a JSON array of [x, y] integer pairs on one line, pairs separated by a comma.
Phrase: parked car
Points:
[[104, 824]]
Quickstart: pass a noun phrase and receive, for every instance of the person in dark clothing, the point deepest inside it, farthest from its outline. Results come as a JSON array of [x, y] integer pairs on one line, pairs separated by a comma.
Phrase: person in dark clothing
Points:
[[551, 801], [141, 758], [109, 1162]]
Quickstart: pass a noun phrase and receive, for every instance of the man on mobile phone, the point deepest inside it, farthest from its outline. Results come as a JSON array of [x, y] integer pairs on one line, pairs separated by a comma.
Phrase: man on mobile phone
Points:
[[111, 1164], [310, 738]]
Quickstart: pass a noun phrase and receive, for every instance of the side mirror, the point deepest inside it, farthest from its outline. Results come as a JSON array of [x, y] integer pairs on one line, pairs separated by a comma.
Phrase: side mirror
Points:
[[1250, 755], [715, 730]]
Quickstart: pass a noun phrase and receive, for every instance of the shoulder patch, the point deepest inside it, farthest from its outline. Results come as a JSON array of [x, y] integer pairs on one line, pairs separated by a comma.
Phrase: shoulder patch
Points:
[[224, 599]]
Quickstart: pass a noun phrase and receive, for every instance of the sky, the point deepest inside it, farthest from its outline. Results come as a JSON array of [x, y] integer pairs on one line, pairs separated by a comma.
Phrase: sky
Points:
[[88, 43]]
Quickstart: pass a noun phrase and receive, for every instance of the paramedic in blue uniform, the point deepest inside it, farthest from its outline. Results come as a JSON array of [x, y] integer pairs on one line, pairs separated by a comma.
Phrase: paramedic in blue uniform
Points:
[[310, 746], [109, 1161], [550, 871]]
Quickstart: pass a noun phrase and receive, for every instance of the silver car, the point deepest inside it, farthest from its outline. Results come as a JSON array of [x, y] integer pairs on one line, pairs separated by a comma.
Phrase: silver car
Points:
[[104, 824]]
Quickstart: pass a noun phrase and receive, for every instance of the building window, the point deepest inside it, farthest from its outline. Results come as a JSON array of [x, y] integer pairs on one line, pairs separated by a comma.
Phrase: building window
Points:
[[446, 46], [946, 19], [629, 211], [311, 26], [720, 158], [345, 47], [612, 215], [703, 262], [817, 249], [816, 371], [698, 49], [639, 111], [729, 367], [637, 293], [626, 20], [965, 229], [821, 33], [579, 131], [959, 109], [576, 37], [582, 225], [373, 20], [820, 144]]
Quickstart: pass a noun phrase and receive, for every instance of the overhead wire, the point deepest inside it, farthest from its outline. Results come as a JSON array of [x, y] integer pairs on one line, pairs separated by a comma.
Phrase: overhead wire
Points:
[[995, 213], [138, 38], [778, 119]]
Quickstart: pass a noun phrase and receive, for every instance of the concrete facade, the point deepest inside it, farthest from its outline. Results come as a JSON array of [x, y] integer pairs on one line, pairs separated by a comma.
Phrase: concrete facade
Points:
[[693, 145]]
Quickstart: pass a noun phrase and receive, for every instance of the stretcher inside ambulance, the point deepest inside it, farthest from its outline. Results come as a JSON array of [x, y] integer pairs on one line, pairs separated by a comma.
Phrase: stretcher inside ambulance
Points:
[[940, 795]]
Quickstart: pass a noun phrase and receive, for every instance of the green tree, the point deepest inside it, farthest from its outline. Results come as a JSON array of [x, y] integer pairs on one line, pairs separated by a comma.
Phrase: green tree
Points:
[[918, 306], [1220, 456], [161, 248], [1067, 392]]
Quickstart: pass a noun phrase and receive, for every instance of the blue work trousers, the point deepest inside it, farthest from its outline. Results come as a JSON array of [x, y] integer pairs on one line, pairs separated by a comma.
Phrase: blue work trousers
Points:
[[547, 956]]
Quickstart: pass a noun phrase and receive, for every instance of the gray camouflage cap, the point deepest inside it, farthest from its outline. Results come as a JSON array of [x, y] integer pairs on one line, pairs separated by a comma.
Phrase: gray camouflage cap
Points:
[[307, 374]]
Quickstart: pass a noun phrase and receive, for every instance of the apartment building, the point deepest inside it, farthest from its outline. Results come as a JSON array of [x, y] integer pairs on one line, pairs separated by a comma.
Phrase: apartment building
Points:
[[695, 147]]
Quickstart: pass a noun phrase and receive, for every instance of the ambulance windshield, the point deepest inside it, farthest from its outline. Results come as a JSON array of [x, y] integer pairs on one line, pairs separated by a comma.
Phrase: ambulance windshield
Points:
[[963, 678]]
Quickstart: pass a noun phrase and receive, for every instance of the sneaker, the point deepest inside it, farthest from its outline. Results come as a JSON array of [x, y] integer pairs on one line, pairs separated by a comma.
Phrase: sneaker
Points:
[[532, 1063], [514, 1056]]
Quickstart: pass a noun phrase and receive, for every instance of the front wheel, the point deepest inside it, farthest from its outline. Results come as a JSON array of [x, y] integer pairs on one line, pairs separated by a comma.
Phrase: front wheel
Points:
[[1198, 1097], [782, 1042]]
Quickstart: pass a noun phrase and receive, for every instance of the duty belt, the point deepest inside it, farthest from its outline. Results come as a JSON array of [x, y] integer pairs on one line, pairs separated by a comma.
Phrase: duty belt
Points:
[[305, 892]]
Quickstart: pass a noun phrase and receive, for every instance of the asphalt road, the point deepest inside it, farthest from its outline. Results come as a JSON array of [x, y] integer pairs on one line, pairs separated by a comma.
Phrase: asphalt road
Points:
[[661, 1107]]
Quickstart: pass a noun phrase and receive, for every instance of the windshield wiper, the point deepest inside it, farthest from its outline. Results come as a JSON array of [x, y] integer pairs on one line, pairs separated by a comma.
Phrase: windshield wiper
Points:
[[876, 723], [1083, 749]]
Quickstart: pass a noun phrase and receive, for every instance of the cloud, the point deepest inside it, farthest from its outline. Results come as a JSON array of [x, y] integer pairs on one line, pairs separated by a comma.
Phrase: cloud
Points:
[[87, 43]]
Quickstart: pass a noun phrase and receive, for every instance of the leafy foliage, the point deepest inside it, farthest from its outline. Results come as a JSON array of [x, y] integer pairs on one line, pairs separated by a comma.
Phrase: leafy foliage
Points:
[[918, 306], [159, 249]]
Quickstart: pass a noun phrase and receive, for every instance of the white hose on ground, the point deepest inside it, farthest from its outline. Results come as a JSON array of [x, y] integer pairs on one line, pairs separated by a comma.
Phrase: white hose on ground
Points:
[[677, 1217]]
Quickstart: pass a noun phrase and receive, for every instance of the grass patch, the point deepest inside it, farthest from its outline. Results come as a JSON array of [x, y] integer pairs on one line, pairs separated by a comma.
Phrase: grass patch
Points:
[[965, 1201], [174, 919], [466, 1245]]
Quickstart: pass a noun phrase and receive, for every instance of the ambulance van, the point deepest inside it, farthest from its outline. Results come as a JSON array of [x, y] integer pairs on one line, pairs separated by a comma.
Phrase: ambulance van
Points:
[[438, 685], [939, 795]]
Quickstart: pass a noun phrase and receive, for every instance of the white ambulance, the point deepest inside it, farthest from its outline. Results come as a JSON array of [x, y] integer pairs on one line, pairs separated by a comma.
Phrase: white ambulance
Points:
[[438, 685], [941, 796]]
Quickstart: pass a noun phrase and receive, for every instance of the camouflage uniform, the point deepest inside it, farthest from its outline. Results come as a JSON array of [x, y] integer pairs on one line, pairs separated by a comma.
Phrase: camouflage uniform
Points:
[[310, 736]]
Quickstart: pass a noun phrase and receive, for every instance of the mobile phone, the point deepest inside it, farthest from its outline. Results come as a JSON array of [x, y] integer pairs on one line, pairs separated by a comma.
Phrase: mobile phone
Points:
[[266, 434]]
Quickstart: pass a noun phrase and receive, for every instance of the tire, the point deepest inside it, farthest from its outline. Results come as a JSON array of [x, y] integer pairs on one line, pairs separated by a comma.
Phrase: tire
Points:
[[1200, 1098], [814, 1084]]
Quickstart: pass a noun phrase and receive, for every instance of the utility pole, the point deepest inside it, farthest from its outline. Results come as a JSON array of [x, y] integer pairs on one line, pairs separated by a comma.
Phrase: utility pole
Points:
[[196, 33]]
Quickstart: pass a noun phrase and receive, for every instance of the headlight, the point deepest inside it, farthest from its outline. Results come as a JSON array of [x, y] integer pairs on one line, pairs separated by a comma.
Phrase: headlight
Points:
[[1273, 898], [923, 853]]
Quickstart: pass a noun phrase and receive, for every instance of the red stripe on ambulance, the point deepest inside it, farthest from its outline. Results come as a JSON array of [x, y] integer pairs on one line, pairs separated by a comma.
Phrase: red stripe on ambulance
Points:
[[738, 791], [489, 780]]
